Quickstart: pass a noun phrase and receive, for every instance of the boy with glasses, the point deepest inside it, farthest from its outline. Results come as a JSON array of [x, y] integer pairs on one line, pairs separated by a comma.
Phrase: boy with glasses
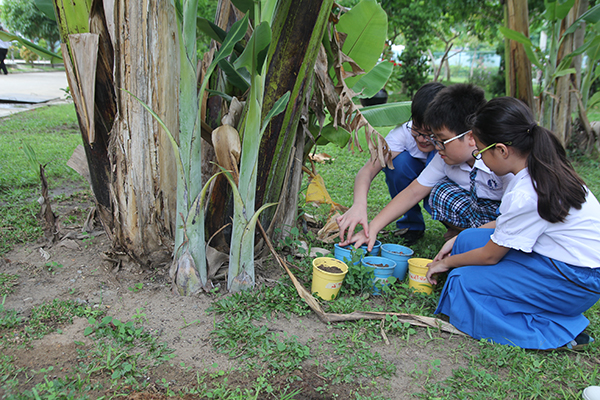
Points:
[[463, 192], [411, 150]]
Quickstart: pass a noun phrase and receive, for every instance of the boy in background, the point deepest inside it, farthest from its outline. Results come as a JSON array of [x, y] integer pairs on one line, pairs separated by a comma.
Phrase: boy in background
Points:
[[411, 151], [464, 191]]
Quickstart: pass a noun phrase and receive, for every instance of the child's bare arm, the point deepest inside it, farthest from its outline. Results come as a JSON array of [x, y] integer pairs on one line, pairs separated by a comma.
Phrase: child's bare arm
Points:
[[489, 254], [399, 205], [357, 214]]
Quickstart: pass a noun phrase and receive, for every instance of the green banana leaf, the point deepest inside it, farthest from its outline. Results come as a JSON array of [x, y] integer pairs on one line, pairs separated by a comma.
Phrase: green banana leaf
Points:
[[240, 78], [258, 44], [557, 10], [215, 32], [46, 7], [366, 26], [389, 114], [372, 82], [329, 134], [594, 100], [40, 51], [245, 6], [236, 33]]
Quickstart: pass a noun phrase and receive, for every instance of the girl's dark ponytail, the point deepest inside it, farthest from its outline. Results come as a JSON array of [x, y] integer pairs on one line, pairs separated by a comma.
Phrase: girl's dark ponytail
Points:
[[508, 120], [557, 184]]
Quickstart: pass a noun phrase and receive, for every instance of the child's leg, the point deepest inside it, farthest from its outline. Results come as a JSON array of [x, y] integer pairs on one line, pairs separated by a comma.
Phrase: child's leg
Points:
[[406, 169], [452, 204], [524, 300]]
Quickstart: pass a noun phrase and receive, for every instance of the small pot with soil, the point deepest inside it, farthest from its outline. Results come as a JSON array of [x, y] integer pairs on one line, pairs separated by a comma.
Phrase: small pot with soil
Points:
[[328, 275]]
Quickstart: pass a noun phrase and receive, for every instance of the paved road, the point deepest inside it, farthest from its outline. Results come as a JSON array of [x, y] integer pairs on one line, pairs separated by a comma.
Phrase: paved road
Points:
[[34, 88]]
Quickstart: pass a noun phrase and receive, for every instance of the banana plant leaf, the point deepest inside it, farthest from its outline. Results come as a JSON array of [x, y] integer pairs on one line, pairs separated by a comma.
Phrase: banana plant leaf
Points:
[[240, 78], [46, 7], [215, 32], [329, 134], [557, 10], [258, 45], [245, 6], [236, 33], [389, 114], [40, 51], [366, 26], [373, 81]]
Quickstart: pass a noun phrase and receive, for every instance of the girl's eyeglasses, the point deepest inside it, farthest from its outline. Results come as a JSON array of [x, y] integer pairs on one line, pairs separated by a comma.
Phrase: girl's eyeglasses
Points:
[[477, 153], [442, 145]]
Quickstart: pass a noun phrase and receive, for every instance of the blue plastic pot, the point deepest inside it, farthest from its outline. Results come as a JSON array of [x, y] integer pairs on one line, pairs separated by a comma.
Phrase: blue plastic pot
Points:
[[376, 248], [345, 253], [383, 268], [400, 254]]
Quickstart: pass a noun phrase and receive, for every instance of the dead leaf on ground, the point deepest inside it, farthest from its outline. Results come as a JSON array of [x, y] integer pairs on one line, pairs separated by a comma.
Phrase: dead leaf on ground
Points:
[[321, 157]]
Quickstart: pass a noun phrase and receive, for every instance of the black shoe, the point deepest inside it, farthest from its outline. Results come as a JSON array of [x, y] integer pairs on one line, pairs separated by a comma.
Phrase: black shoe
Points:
[[409, 236]]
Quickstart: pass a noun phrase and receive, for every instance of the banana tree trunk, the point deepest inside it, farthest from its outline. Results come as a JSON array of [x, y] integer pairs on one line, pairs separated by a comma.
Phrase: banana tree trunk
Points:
[[144, 178], [128, 153], [518, 66], [561, 118]]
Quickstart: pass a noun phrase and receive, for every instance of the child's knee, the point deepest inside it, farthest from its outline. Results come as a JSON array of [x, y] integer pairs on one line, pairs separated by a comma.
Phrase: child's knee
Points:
[[472, 238]]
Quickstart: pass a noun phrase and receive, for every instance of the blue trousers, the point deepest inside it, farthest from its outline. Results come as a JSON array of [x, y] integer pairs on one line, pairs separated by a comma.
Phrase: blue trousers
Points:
[[526, 300], [406, 169]]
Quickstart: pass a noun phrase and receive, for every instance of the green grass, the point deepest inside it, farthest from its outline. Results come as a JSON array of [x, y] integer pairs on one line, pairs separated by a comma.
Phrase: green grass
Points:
[[53, 134]]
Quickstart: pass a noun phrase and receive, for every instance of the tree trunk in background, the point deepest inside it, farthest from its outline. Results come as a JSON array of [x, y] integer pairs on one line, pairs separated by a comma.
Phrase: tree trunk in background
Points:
[[518, 66], [567, 102], [144, 177]]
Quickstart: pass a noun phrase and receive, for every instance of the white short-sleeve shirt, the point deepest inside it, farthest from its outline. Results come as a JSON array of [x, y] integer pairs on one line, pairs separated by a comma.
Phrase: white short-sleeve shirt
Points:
[[489, 185], [575, 241], [400, 139]]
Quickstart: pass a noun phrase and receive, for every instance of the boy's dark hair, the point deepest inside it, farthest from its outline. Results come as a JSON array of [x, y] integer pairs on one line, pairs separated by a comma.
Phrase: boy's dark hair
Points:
[[452, 107], [508, 120], [421, 100]]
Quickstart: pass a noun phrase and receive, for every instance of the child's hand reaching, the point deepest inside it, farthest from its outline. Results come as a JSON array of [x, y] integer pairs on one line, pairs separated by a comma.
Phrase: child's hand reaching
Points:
[[436, 267], [351, 219], [445, 250]]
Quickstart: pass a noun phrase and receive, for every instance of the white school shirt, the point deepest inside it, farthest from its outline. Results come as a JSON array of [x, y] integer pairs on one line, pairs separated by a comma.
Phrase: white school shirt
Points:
[[400, 139], [4, 45], [575, 241], [488, 185]]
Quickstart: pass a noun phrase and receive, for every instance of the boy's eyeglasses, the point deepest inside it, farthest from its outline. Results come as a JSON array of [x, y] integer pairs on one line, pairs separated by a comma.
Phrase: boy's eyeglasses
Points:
[[442, 145], [477, 153], [417, 133]]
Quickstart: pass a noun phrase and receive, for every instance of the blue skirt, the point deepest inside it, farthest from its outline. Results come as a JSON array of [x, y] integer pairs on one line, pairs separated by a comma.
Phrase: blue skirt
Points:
[[523, 301]]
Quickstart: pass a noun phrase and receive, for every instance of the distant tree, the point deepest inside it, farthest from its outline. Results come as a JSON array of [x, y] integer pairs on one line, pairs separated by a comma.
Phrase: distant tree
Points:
[[22, 16], [413, 21]]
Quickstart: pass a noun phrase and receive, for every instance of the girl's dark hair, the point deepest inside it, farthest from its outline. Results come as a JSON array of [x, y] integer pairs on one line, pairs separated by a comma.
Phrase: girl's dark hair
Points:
[[421, 100], [506, 119]]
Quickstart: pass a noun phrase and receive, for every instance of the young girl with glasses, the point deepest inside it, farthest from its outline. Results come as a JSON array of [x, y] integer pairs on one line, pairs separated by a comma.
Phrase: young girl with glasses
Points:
[[526, 280]]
